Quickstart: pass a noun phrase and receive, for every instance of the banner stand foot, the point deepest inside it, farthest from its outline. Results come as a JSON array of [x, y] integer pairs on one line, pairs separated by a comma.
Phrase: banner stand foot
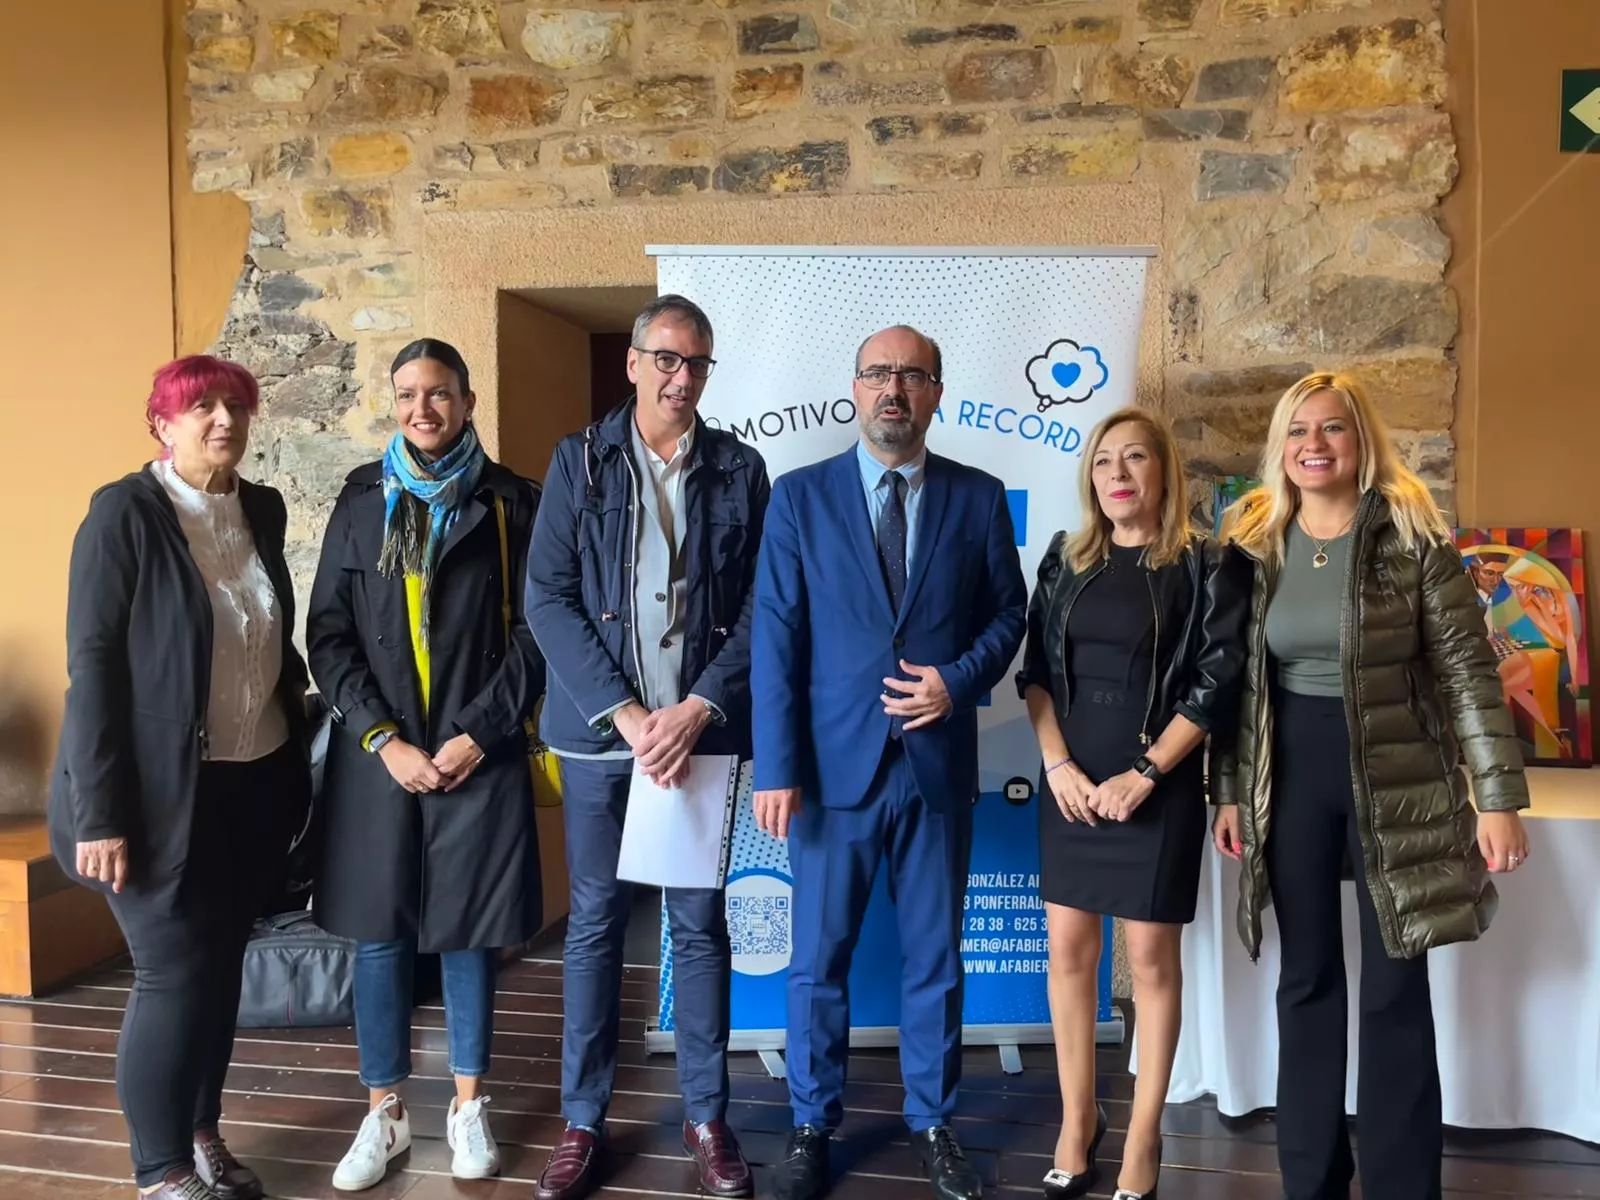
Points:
[[1010, 1058], [773, 1062]]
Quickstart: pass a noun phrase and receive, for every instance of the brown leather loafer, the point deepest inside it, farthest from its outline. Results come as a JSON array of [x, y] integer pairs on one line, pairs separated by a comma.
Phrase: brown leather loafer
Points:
[[723, 1170], [573, 1168], [220, 1171]]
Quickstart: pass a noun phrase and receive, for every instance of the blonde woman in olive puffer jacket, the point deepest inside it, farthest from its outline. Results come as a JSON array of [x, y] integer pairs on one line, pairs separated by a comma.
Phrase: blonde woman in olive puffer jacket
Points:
[[1369, 681]]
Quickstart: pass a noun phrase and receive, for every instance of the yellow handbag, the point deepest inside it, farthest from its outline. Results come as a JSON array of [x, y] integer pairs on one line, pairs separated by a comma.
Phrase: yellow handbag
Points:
[[542, 764]]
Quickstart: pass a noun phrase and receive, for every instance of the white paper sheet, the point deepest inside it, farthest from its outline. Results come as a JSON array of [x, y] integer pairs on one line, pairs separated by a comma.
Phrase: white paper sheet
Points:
[[678, 837]]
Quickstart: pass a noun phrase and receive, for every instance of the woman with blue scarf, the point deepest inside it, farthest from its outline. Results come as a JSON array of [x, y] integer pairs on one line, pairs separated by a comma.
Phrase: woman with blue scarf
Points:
[[429, 842]]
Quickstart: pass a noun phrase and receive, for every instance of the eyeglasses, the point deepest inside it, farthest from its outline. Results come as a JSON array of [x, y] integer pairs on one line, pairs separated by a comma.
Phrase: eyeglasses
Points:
[[877, 378], [668, 362]]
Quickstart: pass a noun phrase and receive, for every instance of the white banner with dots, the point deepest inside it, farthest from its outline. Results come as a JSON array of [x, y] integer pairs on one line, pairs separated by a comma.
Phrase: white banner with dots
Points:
[[1038, 345]]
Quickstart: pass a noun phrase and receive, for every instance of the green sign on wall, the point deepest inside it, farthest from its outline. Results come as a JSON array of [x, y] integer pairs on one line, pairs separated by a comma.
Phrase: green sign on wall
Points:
[[1580, 112]]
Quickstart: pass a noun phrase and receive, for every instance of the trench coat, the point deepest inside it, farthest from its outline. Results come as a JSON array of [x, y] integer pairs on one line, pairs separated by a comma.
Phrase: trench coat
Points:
[[453, 870]]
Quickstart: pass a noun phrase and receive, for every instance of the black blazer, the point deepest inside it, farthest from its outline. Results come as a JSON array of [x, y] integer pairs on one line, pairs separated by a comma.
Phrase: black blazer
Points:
[[1202, 601], [139, 633]]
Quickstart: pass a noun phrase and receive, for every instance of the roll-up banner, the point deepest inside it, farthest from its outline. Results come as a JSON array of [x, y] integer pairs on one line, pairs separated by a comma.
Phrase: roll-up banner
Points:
[[1038, 345]]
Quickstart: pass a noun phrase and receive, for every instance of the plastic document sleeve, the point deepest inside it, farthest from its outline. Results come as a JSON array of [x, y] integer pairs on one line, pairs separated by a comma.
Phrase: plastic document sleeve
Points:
[[679, 837]]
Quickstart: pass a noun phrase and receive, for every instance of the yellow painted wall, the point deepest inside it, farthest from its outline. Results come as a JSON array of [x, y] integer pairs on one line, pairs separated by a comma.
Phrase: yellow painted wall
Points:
[[85, 316], [1525, 220]]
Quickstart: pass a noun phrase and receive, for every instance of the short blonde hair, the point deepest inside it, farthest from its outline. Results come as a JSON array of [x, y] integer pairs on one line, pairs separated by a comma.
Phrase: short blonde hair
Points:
[[1258, 521], [1092, 543]]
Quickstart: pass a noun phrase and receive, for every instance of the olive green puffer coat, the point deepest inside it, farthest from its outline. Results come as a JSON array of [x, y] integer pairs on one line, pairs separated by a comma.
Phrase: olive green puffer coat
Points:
[[1421, 694]]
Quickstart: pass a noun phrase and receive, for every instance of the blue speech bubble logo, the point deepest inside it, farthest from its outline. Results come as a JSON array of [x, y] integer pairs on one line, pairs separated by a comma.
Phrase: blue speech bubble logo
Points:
[[1066, 373]]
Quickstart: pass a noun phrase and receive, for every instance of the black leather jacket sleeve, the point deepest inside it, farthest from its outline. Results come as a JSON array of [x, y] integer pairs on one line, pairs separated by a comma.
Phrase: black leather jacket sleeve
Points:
[[1035, 670], [1210, 695]]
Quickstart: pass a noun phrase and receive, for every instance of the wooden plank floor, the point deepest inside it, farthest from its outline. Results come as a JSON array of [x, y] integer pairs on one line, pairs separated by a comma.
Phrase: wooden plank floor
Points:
[[293, 1103]]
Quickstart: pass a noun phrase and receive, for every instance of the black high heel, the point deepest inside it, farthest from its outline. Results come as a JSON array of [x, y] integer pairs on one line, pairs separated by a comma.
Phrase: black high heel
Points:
[[1125, 1194], [1065, 1185]]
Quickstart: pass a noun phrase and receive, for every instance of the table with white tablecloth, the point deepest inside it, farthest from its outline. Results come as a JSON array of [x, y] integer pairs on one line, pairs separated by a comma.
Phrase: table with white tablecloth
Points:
[[1517, 1012]]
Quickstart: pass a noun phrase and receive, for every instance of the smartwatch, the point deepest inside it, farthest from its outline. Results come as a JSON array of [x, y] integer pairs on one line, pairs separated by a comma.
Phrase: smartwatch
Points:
[[380, 740], [1147, 768]]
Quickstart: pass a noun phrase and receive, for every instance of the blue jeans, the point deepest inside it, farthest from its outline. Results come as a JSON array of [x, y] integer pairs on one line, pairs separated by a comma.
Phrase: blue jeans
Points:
[[594, 802], [384, 992]]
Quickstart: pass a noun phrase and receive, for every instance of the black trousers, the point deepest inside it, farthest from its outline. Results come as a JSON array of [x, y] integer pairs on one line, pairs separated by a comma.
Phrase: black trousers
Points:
[[1399, 1122], [177, 1032]]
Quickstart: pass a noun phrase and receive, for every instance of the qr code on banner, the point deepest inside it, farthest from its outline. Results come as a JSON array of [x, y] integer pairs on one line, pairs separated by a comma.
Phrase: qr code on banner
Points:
[[759, 925]]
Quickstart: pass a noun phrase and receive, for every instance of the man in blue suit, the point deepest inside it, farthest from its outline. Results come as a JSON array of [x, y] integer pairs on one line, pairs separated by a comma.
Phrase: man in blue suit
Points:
[[889, 600]]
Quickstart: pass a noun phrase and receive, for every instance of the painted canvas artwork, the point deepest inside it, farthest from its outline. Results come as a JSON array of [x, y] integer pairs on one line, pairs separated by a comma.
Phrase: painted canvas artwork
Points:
[[1225, 489], [1530, 588]]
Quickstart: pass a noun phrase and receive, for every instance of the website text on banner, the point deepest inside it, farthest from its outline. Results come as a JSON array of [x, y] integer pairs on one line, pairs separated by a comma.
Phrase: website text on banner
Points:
[[1037, 347]]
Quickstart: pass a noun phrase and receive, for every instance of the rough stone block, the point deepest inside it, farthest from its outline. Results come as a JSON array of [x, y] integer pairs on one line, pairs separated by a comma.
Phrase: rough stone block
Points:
[[1080, 31], [284, 87], [777, 33], [518, 154], [384, 95], [312, 36], [349, 212], [460, 29], [988, 75], [1390, 243], [502, 102], [631, 180], [903, 93], [567, 38], [1167, 15], [1196, 124], [1145, 79], [1223, 174], [1112, 154], [1234, 79], [1383, 66], [231, 54], [385, 43], [757, 90], [368, 155], [1359, 158], [1353, 314], [653, 99], [925, 36], [808, 167]]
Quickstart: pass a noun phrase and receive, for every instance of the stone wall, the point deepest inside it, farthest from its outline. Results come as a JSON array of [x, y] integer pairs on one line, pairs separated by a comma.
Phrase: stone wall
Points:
[[1300, 148]]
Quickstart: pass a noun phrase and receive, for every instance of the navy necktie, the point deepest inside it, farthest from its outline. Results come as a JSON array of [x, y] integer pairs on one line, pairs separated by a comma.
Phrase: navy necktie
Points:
[[892, 538]]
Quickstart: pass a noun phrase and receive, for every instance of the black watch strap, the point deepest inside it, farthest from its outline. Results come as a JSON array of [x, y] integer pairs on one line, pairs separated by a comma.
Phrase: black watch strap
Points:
[[1147, 768]]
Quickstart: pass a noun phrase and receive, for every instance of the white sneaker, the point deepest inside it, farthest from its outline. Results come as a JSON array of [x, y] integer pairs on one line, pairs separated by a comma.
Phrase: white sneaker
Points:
[[381, 1138], [466, 1128]]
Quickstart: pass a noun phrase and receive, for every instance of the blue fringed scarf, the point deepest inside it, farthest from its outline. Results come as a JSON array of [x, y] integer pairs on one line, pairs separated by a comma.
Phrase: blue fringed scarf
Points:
[[413, 489]]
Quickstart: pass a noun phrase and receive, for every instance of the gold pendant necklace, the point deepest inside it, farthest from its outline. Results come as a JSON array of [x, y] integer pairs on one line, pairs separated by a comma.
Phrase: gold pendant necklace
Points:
[[1320, 558]]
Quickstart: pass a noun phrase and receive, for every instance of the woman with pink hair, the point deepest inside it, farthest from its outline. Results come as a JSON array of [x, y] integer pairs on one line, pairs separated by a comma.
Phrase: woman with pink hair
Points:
[[182, 772]]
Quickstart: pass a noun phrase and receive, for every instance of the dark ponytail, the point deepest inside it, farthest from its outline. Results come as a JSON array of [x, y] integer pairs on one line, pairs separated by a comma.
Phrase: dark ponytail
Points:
[[440, 352]]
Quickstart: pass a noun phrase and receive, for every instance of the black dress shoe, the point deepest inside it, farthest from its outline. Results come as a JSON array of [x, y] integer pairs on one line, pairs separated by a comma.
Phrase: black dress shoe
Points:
[[803, 1173], [1066, 1185], [220, 1171], [948, 1170]]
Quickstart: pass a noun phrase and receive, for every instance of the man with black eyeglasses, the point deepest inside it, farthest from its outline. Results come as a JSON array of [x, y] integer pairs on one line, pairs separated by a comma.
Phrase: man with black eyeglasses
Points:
[[889, 600], [641, 574]]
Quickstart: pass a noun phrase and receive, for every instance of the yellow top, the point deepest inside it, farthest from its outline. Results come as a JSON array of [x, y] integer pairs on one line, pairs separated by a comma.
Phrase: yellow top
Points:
[[419, 655], [419, 649]]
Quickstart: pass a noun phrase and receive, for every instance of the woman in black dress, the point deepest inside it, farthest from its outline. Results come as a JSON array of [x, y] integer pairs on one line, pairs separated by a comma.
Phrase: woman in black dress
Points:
[[1133, 657]]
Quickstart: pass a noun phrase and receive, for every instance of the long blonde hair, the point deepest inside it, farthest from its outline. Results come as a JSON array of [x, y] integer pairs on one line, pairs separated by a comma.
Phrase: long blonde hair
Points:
[[1092, 543], [1258, 521]]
